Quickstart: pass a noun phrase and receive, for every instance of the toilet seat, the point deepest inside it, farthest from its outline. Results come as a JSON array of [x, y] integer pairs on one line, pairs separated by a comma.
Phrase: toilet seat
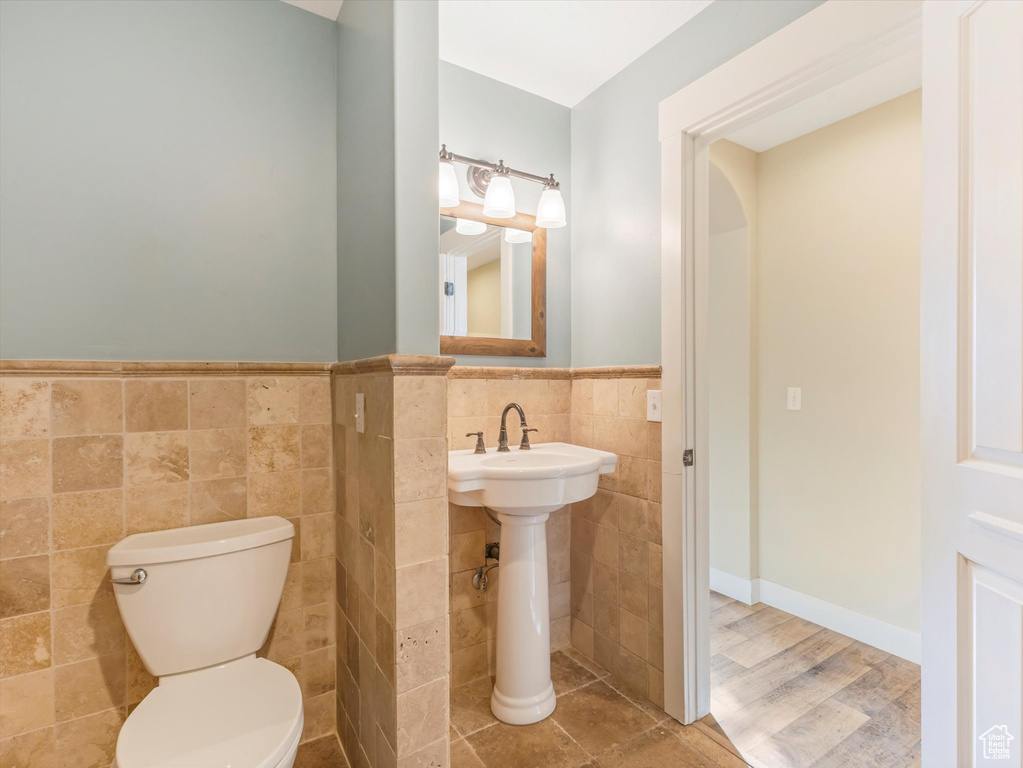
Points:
[[244, 714]]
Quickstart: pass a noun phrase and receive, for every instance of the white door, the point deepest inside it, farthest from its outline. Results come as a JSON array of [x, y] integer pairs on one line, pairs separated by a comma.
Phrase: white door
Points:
[[972, 380]]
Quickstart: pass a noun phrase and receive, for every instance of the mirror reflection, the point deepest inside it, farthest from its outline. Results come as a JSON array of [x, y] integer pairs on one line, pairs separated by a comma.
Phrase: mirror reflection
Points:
[[486, 280]]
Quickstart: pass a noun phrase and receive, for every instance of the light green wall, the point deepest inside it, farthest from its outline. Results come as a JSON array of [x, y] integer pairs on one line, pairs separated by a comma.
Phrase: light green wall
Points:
[[167, 181], [387, 179], [616, 164]]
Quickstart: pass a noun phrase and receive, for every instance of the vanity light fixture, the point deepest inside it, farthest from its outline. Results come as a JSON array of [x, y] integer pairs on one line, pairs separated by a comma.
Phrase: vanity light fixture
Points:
[[499, 201], [550, 212], [512, 235], [448, 183], [469, 227], [493, 184]]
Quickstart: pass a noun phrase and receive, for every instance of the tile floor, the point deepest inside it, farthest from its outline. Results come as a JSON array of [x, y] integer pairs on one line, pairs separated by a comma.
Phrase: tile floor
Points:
[[321, 753], [595, 724]]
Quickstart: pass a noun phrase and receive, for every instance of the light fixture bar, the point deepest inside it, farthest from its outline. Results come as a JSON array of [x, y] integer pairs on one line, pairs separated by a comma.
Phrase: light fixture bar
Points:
[[546, 181]]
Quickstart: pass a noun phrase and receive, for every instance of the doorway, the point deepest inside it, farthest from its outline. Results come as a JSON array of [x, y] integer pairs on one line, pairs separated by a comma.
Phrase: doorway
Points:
[[813, 355], [830, 45], [971, 362]]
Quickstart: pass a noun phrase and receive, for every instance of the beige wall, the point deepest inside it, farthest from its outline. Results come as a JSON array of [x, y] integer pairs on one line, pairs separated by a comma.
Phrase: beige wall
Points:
[[732, 359], [483, 300], [89, 459], [838, 260]]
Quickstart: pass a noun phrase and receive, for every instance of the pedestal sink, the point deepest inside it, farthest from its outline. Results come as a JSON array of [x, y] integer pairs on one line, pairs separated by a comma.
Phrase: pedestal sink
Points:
[[523, 488]]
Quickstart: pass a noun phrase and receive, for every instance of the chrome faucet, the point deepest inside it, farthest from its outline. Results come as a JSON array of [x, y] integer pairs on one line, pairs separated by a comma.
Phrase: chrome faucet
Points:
[[502, 441]]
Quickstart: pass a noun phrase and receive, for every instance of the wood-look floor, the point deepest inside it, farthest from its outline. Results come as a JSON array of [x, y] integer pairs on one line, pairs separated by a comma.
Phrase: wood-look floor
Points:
[[787, 693]]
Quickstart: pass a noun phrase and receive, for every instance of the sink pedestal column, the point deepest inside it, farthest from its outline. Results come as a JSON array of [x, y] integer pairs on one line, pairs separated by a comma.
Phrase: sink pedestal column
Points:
[[523, 693]]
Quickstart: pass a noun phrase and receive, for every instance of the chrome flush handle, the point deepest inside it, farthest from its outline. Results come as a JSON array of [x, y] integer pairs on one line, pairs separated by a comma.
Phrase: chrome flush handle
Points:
[[138, 576]]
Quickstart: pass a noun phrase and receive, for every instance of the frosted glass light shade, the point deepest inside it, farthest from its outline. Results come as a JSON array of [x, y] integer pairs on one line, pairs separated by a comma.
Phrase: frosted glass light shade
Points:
[[550, 213], [499, 202], [469, 227], [512, 235], [448, 185]]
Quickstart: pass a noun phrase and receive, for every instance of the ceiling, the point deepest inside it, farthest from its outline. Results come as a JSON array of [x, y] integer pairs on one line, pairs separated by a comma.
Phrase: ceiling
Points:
[[329, 9], [875, 86], [562, 51]]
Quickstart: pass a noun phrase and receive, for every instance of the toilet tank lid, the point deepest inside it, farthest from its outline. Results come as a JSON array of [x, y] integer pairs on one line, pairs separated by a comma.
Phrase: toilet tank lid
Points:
[[198, 541]]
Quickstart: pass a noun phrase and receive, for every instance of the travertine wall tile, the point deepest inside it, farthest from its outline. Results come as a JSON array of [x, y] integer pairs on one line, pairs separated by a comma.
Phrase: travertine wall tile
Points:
[[91, 739], [155, 405], [217, 403], [273, 401], [214, 453], [141, 454], [155, 457], [87, 519], [26, 527], [25, 644], [24, 408], [26, 703], [86, 407], [420, 408], [87, 463], [35, 748], [274, 448], [24, 468], [156, 507], [616, 569], [24, 585]]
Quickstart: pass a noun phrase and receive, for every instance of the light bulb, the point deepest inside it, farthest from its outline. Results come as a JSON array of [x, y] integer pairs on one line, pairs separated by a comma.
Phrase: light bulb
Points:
[[512, 235], [550, 213], [448, 185], [499, 202], [469, 227]]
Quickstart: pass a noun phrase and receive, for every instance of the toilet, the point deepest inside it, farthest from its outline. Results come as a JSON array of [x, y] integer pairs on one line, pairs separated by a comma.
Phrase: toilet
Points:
[[198, 602]]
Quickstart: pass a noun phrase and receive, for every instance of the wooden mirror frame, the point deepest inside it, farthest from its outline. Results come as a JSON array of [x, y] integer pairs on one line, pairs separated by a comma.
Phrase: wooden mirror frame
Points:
[[484, 345]]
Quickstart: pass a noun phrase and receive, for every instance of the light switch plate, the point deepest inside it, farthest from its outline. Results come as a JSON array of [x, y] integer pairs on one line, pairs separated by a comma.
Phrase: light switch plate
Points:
[[794, 402], [360, 412], [653, 405]]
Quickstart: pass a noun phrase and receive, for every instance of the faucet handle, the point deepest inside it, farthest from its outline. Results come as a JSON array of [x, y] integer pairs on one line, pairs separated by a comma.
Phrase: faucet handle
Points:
[[524, 445], [480, 446]]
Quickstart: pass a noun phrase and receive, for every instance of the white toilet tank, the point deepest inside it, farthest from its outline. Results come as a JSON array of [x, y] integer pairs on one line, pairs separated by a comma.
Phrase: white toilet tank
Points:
[[209, 594]]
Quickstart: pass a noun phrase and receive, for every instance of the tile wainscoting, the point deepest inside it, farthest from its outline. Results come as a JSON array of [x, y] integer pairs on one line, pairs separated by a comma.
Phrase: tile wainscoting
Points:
[[379, 619], [91, 452]]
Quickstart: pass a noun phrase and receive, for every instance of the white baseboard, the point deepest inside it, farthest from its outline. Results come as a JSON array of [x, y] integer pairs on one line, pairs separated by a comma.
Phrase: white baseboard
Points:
[[895, 640], [734, 587]]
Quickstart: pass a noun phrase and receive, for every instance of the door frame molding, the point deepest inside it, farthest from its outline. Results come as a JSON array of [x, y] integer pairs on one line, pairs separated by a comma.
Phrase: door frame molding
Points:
[[832, 43]]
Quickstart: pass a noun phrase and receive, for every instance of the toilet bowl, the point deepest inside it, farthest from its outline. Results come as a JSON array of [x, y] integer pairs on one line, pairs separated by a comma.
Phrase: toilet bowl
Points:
[[198, 602]]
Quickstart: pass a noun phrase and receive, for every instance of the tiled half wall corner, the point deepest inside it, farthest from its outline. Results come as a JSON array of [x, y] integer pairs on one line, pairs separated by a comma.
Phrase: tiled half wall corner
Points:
[[392, 562], [92, 452]]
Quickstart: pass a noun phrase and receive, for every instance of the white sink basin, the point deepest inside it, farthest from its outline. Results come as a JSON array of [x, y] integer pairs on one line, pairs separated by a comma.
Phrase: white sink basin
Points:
[[523, 488], [534, 482]]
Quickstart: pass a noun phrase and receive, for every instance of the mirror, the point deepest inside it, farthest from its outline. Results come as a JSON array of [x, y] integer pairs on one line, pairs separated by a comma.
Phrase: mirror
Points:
[[493, 283]]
